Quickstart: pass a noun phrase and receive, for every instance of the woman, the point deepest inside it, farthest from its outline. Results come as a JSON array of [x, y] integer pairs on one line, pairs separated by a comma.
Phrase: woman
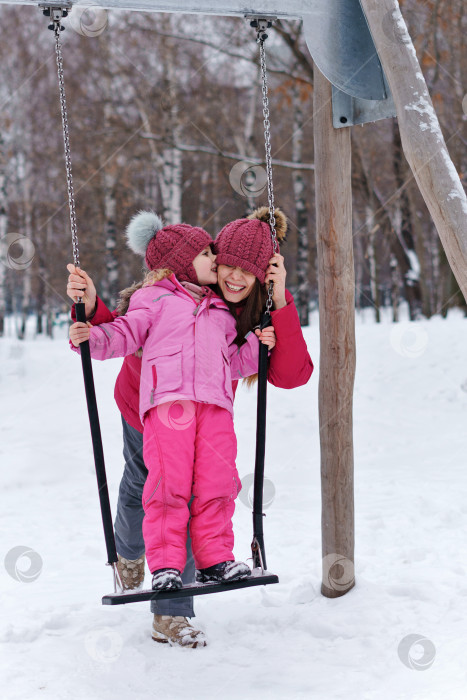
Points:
[[246, 265]]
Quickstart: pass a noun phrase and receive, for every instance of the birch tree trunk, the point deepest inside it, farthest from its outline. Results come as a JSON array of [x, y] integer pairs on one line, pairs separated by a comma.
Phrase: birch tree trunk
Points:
[[23, 174], [170, 175], [156, 161], [251, 185], [371, 252], [421, 136], [404, 230], [303, 287], [41, 292], [3, 228], [395, 284], [110, 286], [360, 181], [47, 299], [359, 258], [26, 279], [109, 167], [171, 179], [337, 340], [203, 198]]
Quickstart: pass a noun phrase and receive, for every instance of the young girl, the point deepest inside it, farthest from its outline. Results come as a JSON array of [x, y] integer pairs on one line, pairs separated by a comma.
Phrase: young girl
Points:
[[189, 360]]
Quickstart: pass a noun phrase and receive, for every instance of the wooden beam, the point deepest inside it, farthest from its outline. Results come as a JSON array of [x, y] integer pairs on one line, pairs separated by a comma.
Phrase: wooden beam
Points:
[[421, 136], [337, 340]]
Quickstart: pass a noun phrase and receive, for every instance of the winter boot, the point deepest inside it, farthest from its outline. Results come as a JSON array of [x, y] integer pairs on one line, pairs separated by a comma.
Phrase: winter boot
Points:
[[176, 631], [131, 572], [225, 571], [166, 579]]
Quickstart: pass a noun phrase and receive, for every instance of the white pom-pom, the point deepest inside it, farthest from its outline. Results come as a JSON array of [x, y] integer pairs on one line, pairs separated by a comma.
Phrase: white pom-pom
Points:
[[142, 227]]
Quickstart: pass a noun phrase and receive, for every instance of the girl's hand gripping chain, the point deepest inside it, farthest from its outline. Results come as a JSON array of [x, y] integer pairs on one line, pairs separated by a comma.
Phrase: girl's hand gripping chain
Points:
[[81, 285]]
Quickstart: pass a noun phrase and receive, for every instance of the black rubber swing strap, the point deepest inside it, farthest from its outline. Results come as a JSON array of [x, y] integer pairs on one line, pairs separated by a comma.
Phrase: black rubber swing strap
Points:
[[96, 441], [258, 536]]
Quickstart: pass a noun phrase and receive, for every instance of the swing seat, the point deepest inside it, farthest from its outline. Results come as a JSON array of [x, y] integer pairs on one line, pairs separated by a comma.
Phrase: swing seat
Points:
[[257, 578]]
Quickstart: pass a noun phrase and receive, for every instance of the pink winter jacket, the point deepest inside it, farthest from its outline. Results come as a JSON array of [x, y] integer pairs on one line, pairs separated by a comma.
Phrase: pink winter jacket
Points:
[[188, 348], [290, 364]]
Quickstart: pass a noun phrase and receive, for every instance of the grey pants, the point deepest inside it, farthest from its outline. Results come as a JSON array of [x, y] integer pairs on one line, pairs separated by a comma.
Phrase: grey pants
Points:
[[128, 522]]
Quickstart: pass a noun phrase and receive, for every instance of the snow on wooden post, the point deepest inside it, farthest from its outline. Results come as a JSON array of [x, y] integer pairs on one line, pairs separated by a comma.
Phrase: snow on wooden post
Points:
[[421, 136], [337, 340]]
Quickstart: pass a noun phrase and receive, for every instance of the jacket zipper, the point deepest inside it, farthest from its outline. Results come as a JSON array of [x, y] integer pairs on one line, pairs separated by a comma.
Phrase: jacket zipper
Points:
[[154, 381]]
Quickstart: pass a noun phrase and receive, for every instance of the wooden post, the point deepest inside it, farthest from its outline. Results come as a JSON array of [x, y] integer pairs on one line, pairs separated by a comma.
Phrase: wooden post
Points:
[[337, 340], [421, 136]]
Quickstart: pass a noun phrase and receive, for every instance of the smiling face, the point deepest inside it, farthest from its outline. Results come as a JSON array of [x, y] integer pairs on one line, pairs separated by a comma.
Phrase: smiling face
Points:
[[235, 283], [205, 266]]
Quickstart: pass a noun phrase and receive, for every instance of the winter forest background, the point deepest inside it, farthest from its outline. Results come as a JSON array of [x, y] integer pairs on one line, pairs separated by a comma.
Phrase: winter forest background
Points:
[[163, 110]]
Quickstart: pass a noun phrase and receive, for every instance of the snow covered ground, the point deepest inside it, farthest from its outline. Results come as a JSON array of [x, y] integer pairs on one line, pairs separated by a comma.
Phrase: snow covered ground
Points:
[[284, 641]]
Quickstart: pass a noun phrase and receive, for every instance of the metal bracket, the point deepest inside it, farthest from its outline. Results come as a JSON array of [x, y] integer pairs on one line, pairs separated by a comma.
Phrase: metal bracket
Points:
[[257, 554], [348, 110], [56, 12], [118, 584], [269, 19], [261, 24], [340, 42]]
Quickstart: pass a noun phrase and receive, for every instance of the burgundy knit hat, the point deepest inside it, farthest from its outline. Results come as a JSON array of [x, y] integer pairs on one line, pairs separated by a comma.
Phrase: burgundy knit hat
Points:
[[247, 243], [174, 246]]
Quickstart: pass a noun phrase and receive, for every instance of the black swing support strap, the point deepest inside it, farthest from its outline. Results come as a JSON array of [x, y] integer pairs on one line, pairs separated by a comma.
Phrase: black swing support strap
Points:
[[97, 442], [56, 14], [257, 545]]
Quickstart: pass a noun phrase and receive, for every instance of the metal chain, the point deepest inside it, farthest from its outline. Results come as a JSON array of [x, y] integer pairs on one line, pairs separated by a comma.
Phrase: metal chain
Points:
[[66, 142], [267, 143]]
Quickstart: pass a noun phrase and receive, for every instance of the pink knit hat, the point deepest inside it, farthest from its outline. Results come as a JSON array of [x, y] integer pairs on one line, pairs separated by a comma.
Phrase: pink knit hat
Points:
[[247, 243], [174, 246]]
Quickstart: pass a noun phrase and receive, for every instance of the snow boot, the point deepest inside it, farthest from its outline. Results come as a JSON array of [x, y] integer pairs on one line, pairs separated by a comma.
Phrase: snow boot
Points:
[[166, 579], [131, 572], [225, 571], [177, 631]]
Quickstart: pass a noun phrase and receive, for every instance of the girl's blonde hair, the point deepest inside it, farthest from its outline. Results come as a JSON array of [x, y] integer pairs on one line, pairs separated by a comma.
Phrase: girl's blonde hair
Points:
[[151, 277]]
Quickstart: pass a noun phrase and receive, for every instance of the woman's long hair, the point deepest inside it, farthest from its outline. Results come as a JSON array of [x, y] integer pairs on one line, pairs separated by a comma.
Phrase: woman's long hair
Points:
[[247, 314]]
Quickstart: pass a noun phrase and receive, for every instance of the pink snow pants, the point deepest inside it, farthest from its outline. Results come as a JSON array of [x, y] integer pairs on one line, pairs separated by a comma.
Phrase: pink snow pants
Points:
[[189, 448]]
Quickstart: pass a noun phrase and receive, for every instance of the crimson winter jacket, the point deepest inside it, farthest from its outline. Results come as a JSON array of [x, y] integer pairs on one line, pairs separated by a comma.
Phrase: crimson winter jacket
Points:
[[290, 364]]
